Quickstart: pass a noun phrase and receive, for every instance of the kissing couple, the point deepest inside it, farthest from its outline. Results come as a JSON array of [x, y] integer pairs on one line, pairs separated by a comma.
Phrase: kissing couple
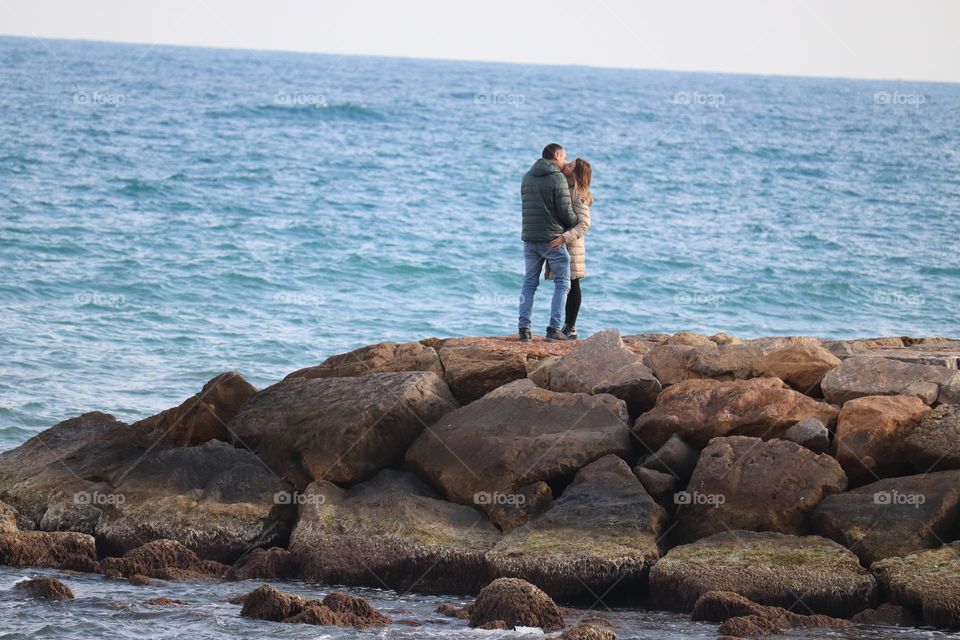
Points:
[[556, 200]]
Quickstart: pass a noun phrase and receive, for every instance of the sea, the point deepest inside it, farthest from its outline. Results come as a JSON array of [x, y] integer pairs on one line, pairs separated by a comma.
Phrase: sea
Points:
[[169, 213]]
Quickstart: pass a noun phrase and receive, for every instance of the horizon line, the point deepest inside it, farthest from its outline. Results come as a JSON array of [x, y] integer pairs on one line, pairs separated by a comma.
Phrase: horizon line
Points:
[[476, 61]]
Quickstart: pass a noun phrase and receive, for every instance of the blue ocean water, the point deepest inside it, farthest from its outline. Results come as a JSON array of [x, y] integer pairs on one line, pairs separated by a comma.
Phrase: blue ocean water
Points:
[[170, 213]]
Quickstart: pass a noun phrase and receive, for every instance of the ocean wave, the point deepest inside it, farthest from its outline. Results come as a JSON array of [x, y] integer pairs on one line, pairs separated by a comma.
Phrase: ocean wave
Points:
[[319, 110]]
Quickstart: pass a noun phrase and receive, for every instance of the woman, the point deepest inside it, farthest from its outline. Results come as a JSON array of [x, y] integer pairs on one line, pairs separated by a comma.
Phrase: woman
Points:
[[579, 174]]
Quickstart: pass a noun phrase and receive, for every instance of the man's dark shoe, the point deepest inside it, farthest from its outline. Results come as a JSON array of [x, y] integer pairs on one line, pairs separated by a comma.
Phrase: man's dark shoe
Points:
[[570, 332], [525, 335], [555, 335]]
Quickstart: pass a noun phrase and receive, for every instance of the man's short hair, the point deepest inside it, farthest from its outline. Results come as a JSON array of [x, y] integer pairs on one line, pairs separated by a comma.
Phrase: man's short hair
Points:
[[551, 150]]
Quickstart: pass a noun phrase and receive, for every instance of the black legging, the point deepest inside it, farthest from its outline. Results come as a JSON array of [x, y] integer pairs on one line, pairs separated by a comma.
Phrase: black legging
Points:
[[573, 303]]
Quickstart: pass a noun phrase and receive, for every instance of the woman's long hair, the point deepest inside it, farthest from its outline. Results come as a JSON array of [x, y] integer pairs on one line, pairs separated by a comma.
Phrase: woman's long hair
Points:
[[582, 173]]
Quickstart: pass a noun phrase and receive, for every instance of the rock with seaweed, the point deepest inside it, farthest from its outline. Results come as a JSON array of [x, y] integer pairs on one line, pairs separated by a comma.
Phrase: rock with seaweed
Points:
[[927, 582], [806, 574], [391, 531], [601, 535]]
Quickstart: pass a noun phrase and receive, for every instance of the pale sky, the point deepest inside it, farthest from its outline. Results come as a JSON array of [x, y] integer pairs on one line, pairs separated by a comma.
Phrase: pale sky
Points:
[[885, 39]]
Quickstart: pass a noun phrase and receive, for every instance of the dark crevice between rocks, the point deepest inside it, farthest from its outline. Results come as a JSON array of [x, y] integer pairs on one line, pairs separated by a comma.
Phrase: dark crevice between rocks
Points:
[[559, 484], [276, 531]]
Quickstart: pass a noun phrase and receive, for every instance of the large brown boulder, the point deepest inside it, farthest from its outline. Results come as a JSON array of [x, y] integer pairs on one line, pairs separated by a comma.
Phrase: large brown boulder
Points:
[[474, 367], [870, 435], [804, 574], [927, 582], [935, 444], [801, 364], [861, 376], [339, 429], [129, 484], [41, 477], [165, 559], [494, 450], [204, 416], [392, 531], [699, 410], [893, 517], [217, 500], [516, 603], [384, 357], [674, 362], [748, 483], [602, 364], [601, 534]]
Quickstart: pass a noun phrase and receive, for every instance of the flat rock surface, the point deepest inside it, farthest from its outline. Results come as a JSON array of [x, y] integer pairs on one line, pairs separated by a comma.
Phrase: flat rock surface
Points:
[[806, 574], [383, 357], [514, 437], [869, 375]]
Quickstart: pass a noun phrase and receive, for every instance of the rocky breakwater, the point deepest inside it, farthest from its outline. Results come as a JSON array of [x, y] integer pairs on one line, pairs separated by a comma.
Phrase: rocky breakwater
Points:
[[801, 480]]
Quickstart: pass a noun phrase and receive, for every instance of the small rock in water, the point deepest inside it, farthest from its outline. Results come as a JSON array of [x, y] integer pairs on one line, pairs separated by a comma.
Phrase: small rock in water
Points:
[[46, 588], [587, 631], [336, 609], [447, 609], [514, 603], [165, 602]]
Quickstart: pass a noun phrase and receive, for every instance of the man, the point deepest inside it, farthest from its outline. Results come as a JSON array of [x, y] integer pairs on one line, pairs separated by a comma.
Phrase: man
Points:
[[547, 212]]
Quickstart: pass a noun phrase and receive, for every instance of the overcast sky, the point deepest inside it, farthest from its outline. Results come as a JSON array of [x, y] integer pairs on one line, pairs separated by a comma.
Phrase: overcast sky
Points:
[[892, 39]]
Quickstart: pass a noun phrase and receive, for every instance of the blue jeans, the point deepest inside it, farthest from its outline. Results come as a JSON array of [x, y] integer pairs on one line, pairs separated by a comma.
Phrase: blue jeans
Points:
[[535, 254]]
